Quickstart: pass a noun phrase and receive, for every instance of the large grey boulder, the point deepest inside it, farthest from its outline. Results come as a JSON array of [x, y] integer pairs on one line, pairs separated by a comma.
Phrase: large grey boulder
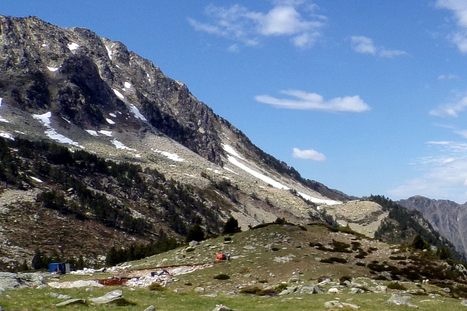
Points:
[[8, 280]]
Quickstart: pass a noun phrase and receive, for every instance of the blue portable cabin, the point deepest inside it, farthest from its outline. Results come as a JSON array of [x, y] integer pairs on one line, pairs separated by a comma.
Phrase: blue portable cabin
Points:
[[59, 267]]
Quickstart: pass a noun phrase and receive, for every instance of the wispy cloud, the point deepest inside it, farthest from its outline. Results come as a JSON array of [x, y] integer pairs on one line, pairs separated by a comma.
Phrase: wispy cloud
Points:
[[301, 100], [365, 45], [450, 110], [444, 174], [459, 9], [295, 20], [448, 76], [308, 154]]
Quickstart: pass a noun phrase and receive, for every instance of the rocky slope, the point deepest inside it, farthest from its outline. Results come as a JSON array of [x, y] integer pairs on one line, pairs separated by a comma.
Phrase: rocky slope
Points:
[[447, 217], [88, 93], [98, 140]]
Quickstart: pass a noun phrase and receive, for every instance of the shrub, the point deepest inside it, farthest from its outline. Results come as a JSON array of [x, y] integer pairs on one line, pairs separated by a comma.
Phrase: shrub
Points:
[[332, 260], [231, 226], [156, 287], [196, 233], [255, 290], [397, 286], [344, 278], [221, 276], [340, 247]]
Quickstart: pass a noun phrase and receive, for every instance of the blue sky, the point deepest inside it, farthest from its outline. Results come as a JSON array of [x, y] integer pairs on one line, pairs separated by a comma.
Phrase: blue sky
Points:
[[369, 97]]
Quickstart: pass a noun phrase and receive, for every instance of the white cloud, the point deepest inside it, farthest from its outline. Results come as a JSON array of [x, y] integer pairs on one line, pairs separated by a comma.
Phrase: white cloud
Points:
[[462, 133], [308, 154], [233, 48], [448, 76], [459, 9], [365, 45], [295, 20], [450, 110], [301, 100], [444, 175]]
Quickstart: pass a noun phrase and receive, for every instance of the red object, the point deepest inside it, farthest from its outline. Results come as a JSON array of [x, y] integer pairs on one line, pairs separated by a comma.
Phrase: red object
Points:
[[220, 256]]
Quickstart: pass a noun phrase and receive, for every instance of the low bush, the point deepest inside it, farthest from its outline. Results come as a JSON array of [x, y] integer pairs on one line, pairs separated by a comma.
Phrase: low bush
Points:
[[397, 286], [222, 276], [156, 287], [332, 260]]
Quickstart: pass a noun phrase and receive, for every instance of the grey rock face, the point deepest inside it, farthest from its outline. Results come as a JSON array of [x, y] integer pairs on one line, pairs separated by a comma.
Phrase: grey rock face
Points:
[[447, 217]]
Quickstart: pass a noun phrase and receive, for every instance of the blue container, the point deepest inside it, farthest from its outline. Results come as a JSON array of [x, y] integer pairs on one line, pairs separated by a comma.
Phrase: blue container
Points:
[[57, 267]]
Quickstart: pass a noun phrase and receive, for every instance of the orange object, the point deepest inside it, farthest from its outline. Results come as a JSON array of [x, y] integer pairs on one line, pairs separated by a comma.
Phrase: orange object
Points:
[[220, 256]]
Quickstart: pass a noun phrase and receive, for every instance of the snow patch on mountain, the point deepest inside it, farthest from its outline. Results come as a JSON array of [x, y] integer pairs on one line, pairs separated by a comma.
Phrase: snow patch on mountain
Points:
[[110, 121], [257, 174], [113, 115], [36, 179], [230, 150], [318, 201], [7, 135], [52, 69], [73, 46], [172, 156], [137, 113], [43, 118], [119, 145], [230, 170], [1, 118], [106, 133], [127, 85], [119, 95], [54, 135], [109, 52], [92, 132], [51, 132]]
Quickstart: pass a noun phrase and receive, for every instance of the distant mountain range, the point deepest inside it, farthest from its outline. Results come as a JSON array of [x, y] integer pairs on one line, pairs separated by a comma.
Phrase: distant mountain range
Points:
[[99, 148], [447, 217]]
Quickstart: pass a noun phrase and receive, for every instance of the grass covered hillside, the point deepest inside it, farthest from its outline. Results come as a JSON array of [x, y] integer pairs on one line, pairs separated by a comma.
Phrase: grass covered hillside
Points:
[[272, 267]]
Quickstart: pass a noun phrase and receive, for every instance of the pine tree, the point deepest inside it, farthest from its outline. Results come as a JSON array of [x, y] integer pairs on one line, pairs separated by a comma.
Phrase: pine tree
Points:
[[231, 226]]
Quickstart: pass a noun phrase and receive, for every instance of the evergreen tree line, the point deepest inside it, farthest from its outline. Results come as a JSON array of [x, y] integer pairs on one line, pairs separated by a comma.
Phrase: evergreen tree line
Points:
[[80, 170], [41, 260], [138, 251]]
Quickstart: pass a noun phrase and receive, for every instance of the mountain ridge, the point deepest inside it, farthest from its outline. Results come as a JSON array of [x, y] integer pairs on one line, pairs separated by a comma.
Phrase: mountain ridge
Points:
[[86, 106]]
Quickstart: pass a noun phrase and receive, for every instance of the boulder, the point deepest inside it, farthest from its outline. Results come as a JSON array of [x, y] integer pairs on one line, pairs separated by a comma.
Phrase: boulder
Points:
[[59, 296], [74, 301], [115, 297], [312, 289], [356, 290], [193, 243], [150, 308], [380, 289], [333, 290], [8, 280], [199, 290], [401, 300], [222, 308], [334, 304]]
